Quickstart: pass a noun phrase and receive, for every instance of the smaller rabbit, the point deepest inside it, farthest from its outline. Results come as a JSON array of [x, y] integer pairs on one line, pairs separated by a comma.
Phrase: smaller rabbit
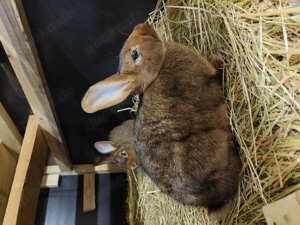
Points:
[[119, 148]]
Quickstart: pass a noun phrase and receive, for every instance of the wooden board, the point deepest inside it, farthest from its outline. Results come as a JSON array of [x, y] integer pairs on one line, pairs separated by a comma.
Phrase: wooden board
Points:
[[18, 44], [8, 163], [286, 211], [23, 199], [9, 134], [89, 203], [50, 181], [85, 169]]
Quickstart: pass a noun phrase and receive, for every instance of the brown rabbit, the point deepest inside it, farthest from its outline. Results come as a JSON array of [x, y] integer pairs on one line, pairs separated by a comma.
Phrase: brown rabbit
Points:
[[120, 147], [182, 135]]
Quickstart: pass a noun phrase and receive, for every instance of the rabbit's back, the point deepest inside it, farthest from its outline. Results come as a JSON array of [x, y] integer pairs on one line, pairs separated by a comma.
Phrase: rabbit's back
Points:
[[182, 134], [122, 133]]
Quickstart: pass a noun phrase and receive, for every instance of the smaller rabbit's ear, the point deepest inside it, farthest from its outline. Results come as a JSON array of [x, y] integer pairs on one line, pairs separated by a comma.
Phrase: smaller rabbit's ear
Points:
[[105, 147], [109, 92]]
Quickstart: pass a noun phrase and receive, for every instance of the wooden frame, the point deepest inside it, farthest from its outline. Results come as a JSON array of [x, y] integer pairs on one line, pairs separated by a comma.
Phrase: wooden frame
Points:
[[31, 170], [23, 200], [17, 41], [43, 130], [89, 203], [85, 169], [9, 134], [8, 162], [10, 147]]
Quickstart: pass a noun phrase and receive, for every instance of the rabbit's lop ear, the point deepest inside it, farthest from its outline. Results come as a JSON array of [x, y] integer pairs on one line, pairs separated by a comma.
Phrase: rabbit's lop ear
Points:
[[105, 147], [109, 92]]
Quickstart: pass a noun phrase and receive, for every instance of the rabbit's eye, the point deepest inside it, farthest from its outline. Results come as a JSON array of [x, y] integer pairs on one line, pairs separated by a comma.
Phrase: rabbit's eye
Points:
[[134, 55], [124, 154]]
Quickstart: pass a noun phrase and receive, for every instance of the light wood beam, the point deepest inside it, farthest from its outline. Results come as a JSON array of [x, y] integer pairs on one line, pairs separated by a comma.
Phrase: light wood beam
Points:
[[19, 46], [23, 199]]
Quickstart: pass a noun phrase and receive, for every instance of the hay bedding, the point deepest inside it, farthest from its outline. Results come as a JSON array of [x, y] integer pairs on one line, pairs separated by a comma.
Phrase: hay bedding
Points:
[[259, 43]]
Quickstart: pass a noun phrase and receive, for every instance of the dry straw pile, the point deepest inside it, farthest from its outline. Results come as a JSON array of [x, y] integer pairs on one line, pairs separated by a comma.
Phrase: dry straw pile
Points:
[[259, 43]]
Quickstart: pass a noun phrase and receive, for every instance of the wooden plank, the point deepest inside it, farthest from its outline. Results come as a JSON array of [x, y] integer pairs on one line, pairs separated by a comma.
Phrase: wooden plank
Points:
[[50, 181], [85, 169], [19, 46], [286, 211], [89, 203], [9, 134], [8, 163], [3, 203], [23, 199]]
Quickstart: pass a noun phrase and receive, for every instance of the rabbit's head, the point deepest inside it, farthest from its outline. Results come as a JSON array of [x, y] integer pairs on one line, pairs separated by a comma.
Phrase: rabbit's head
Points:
[[141, 59], [123, 155]]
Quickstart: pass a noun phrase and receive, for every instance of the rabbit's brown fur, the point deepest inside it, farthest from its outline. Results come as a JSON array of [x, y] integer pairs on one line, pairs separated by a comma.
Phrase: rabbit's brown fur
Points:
[[123, 133], [121, 138], [182, 135]]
